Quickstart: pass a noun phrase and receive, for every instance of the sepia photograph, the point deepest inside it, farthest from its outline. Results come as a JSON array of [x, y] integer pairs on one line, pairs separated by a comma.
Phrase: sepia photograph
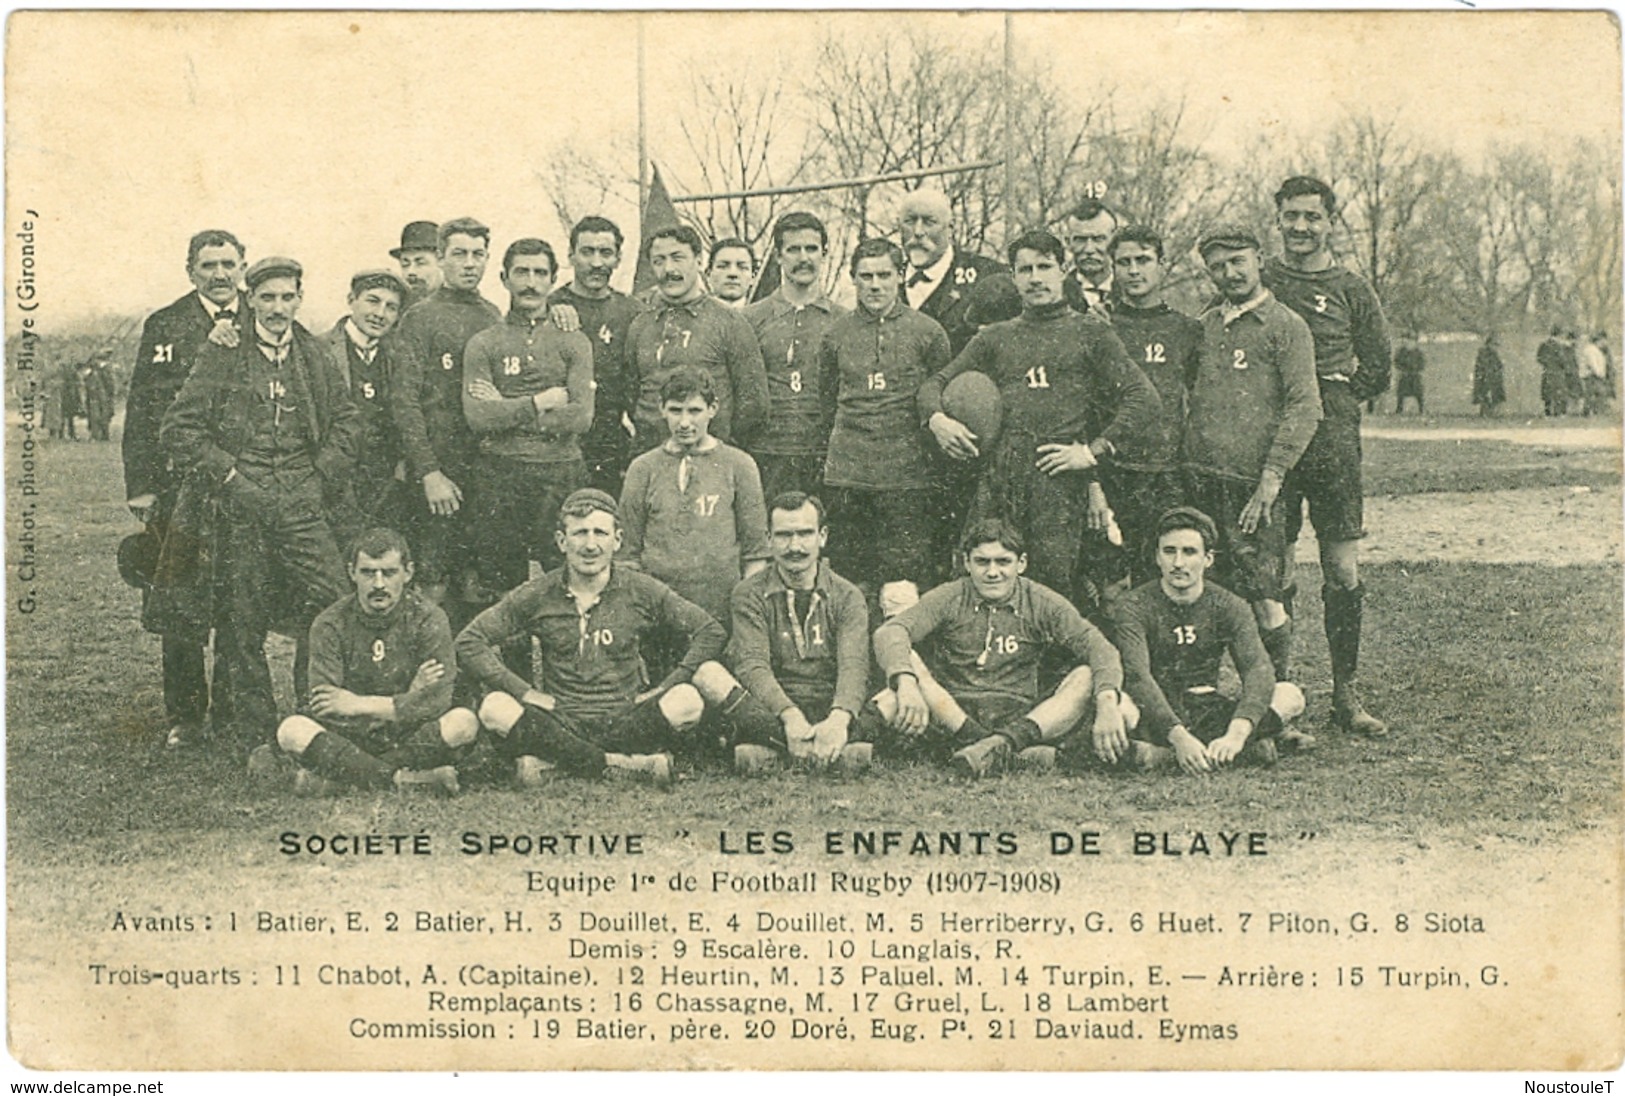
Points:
[[814, 541]]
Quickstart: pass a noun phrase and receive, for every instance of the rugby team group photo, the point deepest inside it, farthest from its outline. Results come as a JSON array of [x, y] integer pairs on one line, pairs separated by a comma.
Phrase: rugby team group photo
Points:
[[1012, 512]]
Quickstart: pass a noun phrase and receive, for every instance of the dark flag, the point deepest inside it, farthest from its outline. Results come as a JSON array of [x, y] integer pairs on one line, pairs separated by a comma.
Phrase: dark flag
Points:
[[658, 213]]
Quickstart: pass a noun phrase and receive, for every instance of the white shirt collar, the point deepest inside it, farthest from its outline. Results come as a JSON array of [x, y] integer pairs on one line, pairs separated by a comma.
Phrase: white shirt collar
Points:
[[213, 309], [359, 338], [934, 275]]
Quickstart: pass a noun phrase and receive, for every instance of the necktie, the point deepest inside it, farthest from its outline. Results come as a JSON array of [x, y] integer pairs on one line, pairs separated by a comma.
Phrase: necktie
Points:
[[919, 277], [277, 353]]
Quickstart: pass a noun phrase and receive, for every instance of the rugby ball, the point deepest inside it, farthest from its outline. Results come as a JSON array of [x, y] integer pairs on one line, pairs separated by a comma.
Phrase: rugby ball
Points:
[[974, 400]]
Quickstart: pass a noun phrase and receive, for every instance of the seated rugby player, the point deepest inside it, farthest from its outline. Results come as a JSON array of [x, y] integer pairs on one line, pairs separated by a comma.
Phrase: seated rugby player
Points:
[[800, 646], [593, 709], [381, 673], [1172, 634], [981, 640]]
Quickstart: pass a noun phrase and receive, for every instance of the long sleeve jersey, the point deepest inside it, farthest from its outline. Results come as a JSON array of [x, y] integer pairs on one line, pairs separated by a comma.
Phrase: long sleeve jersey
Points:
[[707, 333], [374, 654], [605, 322], [1167, 346], [1346, 320], [1169, 648], [521, 358], [790, 339], [592, 655], [1255, 403], [427, 400], [694, 520], [1062, 377], [873, 368], [807, 649], [977, 649]]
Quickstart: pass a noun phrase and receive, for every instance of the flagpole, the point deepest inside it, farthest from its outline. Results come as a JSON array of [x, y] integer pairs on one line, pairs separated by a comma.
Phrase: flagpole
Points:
[[643, 128], [1010, 225]]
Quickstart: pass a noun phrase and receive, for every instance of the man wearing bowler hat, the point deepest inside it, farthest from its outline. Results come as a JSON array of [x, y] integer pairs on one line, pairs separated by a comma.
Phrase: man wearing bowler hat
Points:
[[266, 431], [419, 259]]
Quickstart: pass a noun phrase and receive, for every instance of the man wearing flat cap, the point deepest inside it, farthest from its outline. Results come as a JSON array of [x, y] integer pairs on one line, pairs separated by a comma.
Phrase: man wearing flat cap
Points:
[[265, 433], [420, 261], [360, 352], [177, 606], [593, 710], [1253, 408]]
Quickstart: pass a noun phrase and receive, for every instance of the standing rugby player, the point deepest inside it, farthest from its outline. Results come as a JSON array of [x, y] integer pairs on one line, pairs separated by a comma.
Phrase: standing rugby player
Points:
[[1352, 364], [790, 327], [882, 499], [528, 396], [1145, 480], [605, 315], [1253, 409], [688, 326], [1071, 400], [731, 271], [428, 410]]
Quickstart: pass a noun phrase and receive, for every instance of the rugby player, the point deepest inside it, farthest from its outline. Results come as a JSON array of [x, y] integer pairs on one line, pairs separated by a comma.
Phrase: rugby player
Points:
[[528, 397], [1145, 480], [379, 713], [1352, 363], [605, 314], [730, 271], [790, 326], [427, 403], [1172, 634], [983, 637], [800, 647], [692, 509], [878, 470], [1071, 399], [1253, 408], [171, 340], [592, 709], [687, 326]]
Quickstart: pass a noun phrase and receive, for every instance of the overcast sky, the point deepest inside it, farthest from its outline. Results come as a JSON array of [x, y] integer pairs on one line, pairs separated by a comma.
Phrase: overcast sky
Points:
[[318, 134]]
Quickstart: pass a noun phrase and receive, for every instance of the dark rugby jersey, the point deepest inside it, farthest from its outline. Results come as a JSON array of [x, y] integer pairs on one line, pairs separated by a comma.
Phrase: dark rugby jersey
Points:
[[807, 649], [1168, 648], [522, 358], [1346, 320], [1062, 376], [790, 338], [605, 321], [1167, 346], [976, 649], [592, 660], [873, 368], [706, 333], [428, 398], [379, 655]]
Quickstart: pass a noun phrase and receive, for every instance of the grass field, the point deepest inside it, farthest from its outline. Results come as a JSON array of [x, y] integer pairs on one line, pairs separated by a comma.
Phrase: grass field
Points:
[[1503, 683]]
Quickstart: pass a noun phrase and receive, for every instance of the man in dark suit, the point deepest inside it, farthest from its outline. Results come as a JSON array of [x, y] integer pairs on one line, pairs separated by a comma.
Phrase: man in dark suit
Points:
[[170, 342], [266, 431], [961, 291]]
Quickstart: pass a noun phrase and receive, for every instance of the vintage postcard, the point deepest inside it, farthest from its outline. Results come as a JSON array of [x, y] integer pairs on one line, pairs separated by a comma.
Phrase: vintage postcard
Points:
[[580, 308]]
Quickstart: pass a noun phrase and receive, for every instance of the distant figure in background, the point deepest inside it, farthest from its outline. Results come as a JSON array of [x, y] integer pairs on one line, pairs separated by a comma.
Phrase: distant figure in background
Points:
[[70, 396], [1553, 362], [1409, 362], [98, 395], [1593, 377], [1489, 380]]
